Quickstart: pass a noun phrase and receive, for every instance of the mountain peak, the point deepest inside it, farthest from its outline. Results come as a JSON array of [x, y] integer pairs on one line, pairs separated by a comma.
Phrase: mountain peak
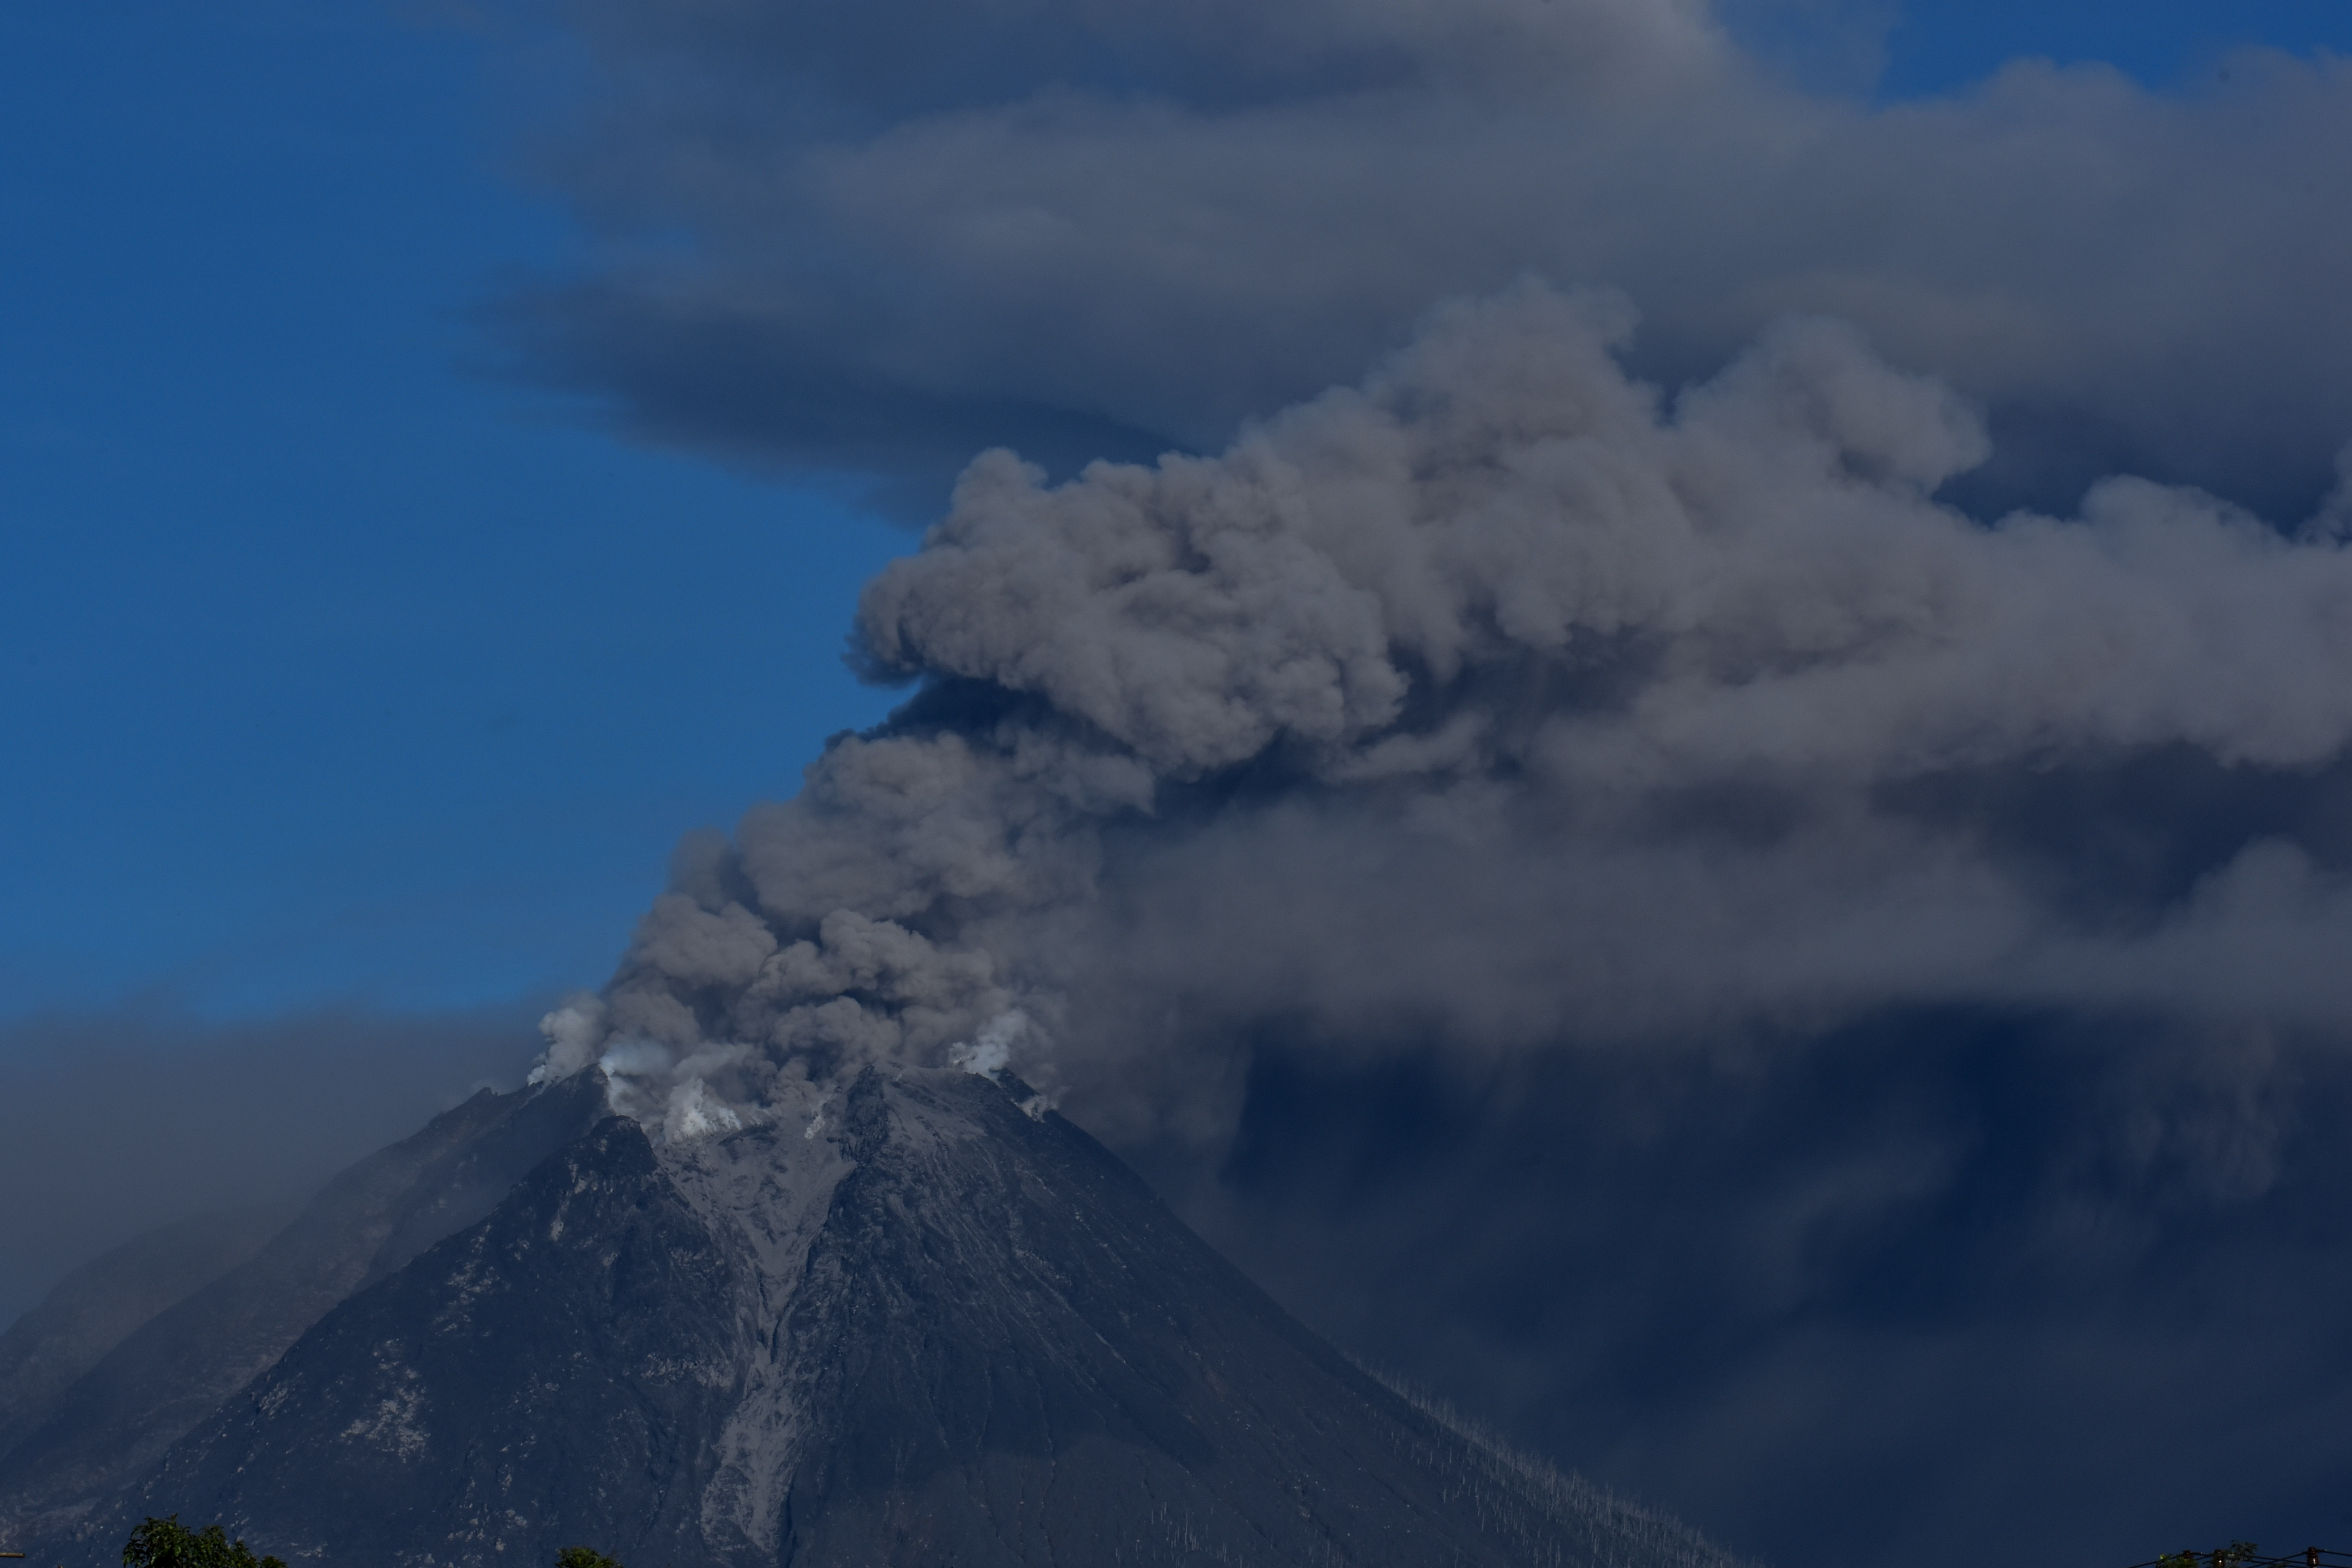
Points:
[[933, 1323]]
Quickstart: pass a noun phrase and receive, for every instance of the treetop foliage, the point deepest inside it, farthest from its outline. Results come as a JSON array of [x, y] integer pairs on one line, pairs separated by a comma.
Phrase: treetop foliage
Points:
[[2235, 1555], [167, 1543], [582, 1557]]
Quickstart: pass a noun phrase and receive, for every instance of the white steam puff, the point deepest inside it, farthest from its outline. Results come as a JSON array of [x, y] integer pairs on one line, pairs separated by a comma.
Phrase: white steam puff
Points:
[[574, 1034], [991, 1051], [1498, 696]]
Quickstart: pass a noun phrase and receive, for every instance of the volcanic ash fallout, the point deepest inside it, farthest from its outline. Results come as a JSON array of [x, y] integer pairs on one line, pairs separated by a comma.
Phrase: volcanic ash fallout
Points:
[[1501, 699]]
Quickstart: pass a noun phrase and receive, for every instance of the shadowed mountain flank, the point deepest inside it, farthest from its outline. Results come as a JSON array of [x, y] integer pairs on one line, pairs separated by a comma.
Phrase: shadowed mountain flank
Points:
[[105, 1301], [936, 1324], [112, 1422]]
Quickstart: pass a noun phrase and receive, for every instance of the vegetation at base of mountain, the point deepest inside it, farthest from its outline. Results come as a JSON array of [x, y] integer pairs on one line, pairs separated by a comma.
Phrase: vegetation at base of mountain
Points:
[[582, 1557], [165, 1542], [2235, 1555]]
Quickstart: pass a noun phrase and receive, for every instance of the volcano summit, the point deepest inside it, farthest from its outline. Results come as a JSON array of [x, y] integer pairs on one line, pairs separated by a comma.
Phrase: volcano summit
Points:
[[934, 1323]]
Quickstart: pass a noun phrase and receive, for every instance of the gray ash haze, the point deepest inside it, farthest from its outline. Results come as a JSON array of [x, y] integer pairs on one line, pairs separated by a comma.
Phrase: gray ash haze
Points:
[[1504, 701], [1506, 720], [140, 1118], [1677, 749], [1674, 747], [887, 235]]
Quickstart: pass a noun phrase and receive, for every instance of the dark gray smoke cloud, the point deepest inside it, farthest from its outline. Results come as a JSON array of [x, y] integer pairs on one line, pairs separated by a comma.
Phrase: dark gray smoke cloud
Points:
[[1943, 1287], [1633, 769], [1681, 859], [884, 237], [1502, 699]]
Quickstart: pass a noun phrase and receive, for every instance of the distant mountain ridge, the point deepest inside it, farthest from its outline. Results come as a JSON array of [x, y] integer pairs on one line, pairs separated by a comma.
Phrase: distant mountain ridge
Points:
[[112, 1422], [47, 1349], [936, 1325]]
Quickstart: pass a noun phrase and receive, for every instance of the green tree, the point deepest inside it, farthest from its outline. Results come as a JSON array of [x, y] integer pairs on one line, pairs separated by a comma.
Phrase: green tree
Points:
[[582, 1557], [2237, 1554], [167, 1543]]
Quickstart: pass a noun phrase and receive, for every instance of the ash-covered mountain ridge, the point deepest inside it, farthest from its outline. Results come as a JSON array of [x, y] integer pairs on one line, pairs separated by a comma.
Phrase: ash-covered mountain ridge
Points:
[[938, 1323]]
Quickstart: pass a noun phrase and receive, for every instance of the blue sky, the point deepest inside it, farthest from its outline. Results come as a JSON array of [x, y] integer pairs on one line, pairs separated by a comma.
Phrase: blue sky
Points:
[[1939, 46], [334, 669]]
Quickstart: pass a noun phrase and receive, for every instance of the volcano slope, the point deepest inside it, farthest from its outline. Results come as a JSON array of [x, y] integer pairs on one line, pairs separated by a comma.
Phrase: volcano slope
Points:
[[938, 1324], [107, 1409]]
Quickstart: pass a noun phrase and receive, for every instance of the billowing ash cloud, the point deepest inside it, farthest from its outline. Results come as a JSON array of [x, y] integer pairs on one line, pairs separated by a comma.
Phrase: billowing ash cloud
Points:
[[1505, 700], [1723, 891], [882, 237]]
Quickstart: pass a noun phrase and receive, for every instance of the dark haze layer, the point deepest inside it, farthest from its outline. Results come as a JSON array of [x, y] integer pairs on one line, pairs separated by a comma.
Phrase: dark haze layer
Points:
[[1099, 227], [1507, 721]]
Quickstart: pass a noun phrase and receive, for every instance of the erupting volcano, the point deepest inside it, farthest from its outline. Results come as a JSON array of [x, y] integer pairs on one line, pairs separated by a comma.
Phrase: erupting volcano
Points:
[[935, 1322]]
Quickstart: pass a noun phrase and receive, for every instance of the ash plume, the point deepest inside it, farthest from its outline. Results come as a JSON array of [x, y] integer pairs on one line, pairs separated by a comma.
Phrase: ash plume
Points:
[[1507, 699], [1725, 893], [1099, 227]]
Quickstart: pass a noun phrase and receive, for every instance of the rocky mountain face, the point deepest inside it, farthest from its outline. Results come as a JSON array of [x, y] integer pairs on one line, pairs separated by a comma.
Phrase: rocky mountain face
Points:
[[100, 1304], [109, 1424], [937, 1324]]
